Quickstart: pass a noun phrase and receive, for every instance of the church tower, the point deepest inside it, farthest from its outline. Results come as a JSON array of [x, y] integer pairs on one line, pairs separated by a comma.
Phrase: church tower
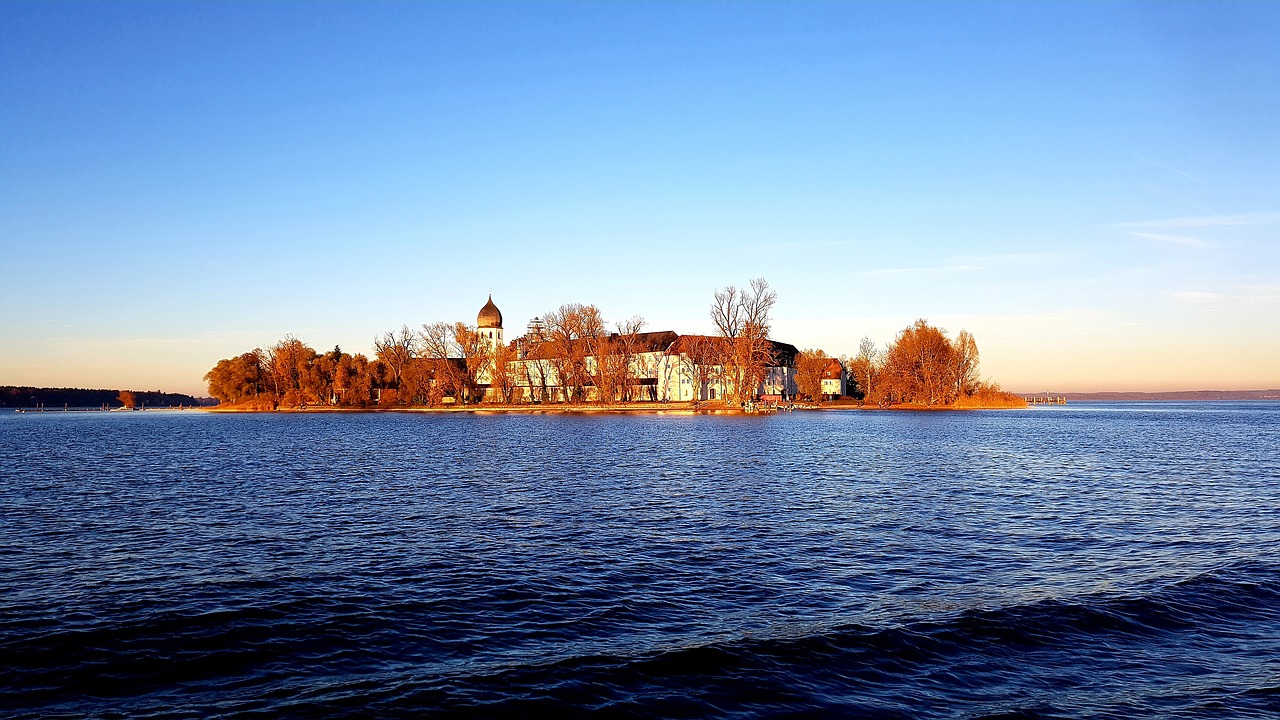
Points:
[[489, 323]]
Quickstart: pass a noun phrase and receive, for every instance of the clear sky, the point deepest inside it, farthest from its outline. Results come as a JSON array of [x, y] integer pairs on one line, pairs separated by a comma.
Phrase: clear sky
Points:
[[1091, 189]]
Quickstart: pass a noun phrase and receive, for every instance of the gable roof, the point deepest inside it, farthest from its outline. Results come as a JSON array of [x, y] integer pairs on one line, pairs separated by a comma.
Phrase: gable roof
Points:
[[671, 343], [652, 341], [833, 371], [784, 354]]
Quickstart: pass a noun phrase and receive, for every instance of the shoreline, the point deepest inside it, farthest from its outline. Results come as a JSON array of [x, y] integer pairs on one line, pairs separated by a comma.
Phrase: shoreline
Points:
[[685, 409]]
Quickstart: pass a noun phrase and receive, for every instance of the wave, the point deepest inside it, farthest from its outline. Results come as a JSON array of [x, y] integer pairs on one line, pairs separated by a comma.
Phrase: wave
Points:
[[1195, 647], [996, 663]]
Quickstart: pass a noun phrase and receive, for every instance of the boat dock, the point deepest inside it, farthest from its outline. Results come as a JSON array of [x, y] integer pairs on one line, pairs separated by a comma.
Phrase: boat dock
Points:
[[1045, 400]]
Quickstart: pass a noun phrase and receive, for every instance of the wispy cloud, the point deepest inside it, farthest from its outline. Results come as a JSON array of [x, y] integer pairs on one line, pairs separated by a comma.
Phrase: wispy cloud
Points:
[[1240, 297], [104, 111], [1241, 220], [1173, 231], [1005, 260], [1184, 240], [933, 270], [801, 245], [1162, 166], [1194, 297]]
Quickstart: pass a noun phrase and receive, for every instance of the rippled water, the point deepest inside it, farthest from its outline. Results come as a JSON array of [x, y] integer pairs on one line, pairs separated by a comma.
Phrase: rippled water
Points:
[[1087, 561]]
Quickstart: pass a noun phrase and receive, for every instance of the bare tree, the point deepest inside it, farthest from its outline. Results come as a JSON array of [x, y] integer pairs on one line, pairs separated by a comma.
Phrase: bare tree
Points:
[[475, 351], [965, 357], [651, 376], [612, 357], [599, 361], [697, 361], [608, 369], [628, 350], [396, 349], [864, 367], [560, 348], [439, 348], [742, 318], [572, 333], [538, 370], [503, 373]]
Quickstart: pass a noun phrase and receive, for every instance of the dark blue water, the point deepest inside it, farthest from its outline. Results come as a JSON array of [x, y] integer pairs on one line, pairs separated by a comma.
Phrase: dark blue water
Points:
[[1087, 561]]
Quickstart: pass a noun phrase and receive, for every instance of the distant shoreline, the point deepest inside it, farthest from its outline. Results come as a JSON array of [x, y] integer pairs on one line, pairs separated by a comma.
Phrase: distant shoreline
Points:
[[1170, 395]]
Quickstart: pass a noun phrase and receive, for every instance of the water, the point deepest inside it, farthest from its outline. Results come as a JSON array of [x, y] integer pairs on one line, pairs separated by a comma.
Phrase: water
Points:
[[1087, 561]]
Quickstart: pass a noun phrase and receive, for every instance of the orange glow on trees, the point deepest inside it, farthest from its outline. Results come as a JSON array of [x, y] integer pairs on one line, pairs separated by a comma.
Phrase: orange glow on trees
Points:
[[742, 318], [570, 356], [810, 365], [924, 367]]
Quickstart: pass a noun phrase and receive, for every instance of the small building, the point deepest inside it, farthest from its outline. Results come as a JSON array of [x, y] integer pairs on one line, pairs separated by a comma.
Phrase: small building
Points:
[[834, 380]]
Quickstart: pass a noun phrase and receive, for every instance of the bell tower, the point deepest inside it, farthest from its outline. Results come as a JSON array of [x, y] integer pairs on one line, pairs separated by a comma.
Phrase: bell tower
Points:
[[489, 323]]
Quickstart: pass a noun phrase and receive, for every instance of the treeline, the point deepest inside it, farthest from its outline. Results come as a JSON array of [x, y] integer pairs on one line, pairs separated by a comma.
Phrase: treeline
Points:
[[293, 372], [575, 360], [922, 366], [573, 357], [25, 397], [424, 366]]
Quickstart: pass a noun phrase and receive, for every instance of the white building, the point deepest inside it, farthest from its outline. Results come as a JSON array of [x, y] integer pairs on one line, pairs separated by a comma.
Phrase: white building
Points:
[[834, 380], [664, 366]]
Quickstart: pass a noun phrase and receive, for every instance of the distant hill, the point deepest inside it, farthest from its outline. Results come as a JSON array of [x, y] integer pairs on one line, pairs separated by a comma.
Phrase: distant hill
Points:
[[24, 397], [1174, 395]]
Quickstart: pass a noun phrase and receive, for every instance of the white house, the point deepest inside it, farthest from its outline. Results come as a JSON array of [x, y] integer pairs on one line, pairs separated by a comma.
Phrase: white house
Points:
[[834, 380]]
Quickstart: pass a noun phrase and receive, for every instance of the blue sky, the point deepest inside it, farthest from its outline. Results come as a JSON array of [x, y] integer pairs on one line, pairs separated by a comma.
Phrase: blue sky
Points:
[[1092, 189]]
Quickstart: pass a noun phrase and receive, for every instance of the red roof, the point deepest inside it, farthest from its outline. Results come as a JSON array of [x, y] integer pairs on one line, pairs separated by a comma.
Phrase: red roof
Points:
[[833, 370]]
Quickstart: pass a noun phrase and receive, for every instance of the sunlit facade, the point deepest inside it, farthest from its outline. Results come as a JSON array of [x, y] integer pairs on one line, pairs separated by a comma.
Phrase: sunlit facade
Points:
[[661, 370]]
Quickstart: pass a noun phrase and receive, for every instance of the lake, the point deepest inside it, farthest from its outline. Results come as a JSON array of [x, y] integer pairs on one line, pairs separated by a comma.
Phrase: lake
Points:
[[1079, 561]]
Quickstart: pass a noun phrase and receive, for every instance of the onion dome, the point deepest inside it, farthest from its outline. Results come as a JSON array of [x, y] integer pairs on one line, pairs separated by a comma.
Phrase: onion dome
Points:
[[490, 316]]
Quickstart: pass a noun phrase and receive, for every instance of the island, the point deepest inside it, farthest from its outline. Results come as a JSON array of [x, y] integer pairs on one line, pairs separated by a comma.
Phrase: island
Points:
[[571, 358]]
